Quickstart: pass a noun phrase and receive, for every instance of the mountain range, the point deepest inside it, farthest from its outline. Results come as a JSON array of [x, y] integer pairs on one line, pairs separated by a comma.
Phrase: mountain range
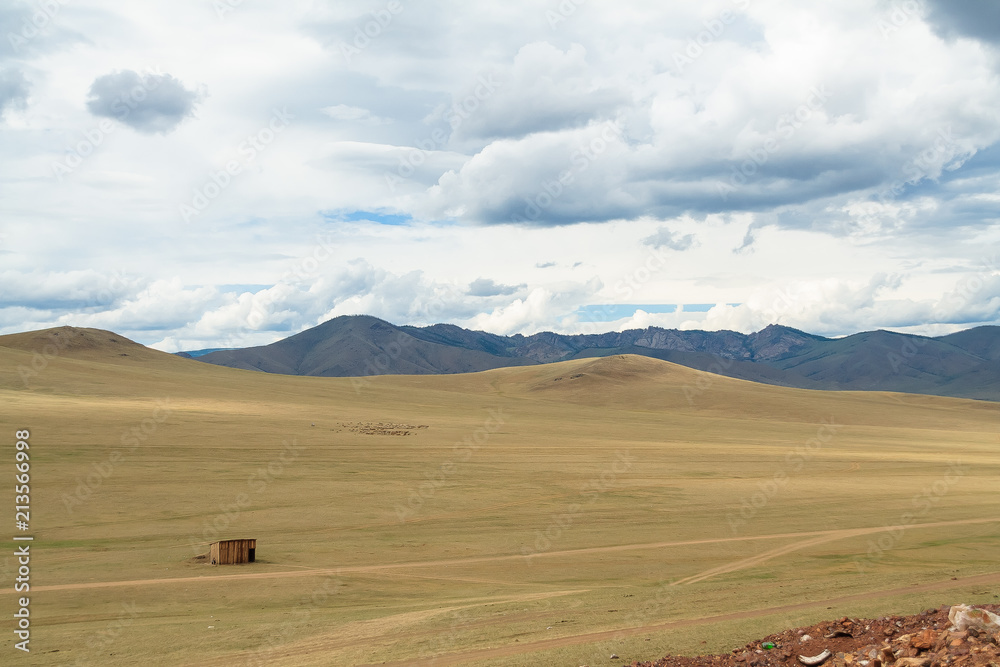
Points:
[[964, 364]]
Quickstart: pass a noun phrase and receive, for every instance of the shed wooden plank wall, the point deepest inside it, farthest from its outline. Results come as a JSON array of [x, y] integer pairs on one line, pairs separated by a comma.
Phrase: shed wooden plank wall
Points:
[[228, 552]]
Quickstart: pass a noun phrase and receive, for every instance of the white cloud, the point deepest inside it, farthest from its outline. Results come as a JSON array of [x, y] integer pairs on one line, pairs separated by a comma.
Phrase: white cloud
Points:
[[14, 89], [664, 238], [833, 307], [489, 287], [538, 311], [544, 89], [775, 137], [163, 305], [150, 102]]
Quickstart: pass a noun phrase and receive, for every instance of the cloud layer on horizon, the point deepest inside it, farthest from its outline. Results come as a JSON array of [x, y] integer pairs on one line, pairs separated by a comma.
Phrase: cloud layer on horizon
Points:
[[844, 156]]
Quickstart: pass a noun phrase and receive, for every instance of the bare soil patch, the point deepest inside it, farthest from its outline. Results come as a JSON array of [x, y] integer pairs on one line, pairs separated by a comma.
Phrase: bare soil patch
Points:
[[921, 640], [379, 428]]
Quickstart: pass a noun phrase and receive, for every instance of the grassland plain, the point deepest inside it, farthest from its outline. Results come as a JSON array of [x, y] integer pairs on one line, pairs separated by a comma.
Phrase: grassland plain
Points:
[[538, 515]]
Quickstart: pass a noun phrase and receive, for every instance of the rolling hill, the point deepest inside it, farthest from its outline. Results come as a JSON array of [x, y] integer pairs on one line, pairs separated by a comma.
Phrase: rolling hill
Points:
[[542, 514], [964, 364], [359, 346]]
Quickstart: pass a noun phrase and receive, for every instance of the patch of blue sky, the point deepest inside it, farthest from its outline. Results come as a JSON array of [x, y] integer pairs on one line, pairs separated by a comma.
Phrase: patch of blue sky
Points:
[[393, 219], [241, 288], [610, 312]]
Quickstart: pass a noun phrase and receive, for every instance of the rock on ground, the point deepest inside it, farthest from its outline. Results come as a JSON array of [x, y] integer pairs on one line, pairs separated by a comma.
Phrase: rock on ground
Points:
[[922, 640]]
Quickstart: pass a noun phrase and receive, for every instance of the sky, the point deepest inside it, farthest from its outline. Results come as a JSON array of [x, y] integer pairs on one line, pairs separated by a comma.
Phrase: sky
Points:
[[222, 173]]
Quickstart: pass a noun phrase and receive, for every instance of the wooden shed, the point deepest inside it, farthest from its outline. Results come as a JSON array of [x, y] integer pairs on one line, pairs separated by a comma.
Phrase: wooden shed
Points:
[[229, 552]]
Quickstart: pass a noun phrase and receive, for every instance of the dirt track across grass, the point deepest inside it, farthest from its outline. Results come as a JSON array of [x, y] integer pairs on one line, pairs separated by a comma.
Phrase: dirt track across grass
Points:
[[562, 642], [818, 537]]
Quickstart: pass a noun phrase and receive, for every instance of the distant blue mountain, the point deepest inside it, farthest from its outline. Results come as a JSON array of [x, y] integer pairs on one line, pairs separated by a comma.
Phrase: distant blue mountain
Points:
[[962, 365]]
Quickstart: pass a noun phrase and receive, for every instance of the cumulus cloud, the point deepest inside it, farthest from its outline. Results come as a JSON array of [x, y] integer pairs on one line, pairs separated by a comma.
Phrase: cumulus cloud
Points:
[[299, 302], [978, 20], [538, 311], [30, 28], [151, 103], [507, 130], [487, 287], [266, 315], [552, 178], [545, 89], [162, 305], [664, 238], [743, 128], [834, 306], [85, 290], [14, 89]]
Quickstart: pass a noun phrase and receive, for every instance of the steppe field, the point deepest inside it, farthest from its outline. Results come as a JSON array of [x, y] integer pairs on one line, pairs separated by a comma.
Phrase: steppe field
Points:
[[544, 515]]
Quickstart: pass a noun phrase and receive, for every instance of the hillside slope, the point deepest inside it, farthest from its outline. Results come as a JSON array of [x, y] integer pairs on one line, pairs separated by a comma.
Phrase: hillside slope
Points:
[[359, 346], [542, 514], [964, 365]]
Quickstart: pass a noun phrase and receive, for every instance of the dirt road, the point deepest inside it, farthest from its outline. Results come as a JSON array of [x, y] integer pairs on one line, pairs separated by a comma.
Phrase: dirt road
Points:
[[574, 640], [817, 537]]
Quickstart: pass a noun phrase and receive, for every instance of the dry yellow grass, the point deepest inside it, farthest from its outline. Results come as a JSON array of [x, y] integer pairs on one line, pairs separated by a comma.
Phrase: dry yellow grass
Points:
[[545, 515]]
